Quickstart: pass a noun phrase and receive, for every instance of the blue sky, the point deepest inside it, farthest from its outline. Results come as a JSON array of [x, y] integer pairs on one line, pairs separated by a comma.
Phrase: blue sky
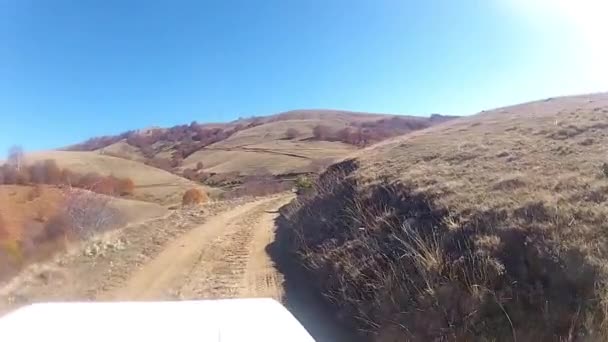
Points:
[[70, 70]]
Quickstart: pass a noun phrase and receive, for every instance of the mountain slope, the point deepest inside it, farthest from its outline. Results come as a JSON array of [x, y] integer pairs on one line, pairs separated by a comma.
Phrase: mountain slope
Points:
[[290, 142], [487, 227]]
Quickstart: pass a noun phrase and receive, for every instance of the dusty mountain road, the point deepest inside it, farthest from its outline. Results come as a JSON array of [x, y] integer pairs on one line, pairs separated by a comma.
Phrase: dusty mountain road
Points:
[[214, 252], [222, 258]]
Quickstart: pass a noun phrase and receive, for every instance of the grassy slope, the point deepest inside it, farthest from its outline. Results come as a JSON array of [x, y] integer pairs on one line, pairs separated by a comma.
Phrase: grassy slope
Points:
[[491, 226], [151, 184], [123, 150], [266, 147]]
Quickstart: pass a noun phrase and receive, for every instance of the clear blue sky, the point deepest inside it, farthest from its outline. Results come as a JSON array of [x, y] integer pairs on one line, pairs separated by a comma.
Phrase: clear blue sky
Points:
[[70, 70]]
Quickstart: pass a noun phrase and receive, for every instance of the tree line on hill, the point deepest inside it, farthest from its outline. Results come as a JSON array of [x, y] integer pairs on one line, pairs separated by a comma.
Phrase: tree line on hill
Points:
[[369, 132], [16, 172], [187, 139]]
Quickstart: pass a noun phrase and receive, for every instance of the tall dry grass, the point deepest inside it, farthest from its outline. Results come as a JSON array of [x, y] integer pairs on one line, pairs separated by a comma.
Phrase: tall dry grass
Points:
[[397, 266]]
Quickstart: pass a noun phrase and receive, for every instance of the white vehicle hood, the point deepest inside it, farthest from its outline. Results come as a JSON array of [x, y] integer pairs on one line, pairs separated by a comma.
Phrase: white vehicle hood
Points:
[[231, 320]]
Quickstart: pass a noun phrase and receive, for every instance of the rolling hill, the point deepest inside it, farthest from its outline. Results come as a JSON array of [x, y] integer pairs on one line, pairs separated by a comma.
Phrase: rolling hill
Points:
[[489, 227], [151, 184], [259, 144]]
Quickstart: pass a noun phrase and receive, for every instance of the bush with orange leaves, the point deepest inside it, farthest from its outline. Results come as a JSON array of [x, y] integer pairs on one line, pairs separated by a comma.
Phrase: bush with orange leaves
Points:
[[125, 187], [194, 196]]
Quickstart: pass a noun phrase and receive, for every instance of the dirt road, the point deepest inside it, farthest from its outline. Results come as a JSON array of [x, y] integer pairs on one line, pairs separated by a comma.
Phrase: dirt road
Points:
[[222, 258], [217, 251]]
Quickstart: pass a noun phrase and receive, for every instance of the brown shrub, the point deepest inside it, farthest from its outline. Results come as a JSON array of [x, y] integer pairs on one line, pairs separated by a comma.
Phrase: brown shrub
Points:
[[46, 172], [106, 185], [125, 187], [194, 196], [190, 174], [88, 181], [199, 166]]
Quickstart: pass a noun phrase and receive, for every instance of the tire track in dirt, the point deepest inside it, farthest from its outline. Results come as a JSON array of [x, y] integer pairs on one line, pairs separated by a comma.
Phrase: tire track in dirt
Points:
[[214, 260]]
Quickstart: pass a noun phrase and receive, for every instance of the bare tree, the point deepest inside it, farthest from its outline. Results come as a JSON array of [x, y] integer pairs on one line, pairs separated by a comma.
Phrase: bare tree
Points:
[[15, 157], [88, 213]]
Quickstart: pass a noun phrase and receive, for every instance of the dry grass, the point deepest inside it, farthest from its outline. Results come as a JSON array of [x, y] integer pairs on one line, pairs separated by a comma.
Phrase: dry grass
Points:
[[255, 149], [123, 150], [487, 228]]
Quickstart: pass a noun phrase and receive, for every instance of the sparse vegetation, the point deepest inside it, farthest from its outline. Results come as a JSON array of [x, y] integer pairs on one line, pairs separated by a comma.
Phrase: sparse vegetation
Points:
[[303, 184], [605, 169], [258, 186], [68, 214]]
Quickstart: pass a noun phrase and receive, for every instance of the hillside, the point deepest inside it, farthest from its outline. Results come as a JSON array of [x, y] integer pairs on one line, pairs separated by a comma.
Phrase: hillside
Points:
[[490, 227], [151, 184], [285, 143]]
